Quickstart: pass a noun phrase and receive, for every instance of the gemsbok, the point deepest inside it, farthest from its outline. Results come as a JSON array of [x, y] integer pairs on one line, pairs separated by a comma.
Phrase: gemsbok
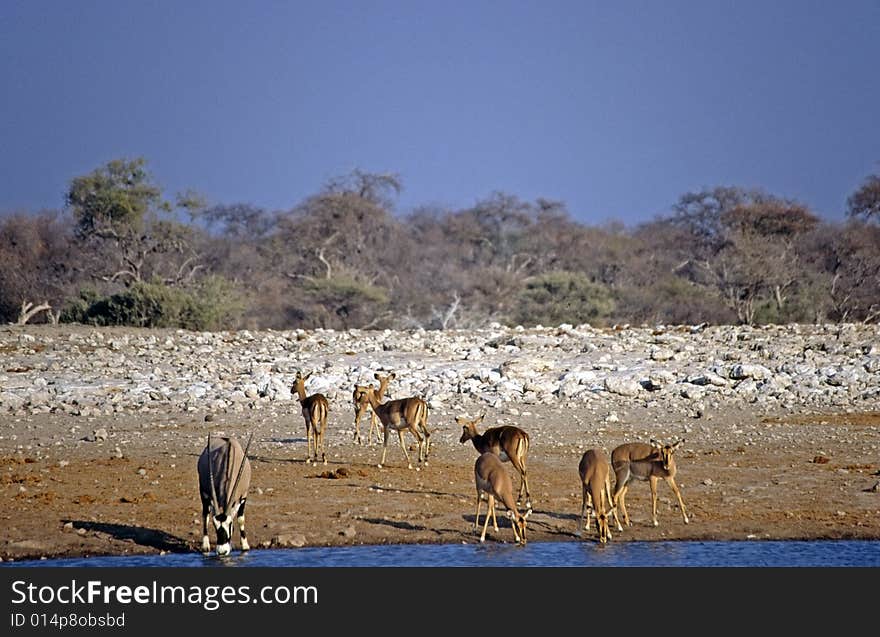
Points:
[[224, 478], [641, 461], [360, 406], [507, 442], [314, 411], [403, 414], [492, 479], [595, 473]]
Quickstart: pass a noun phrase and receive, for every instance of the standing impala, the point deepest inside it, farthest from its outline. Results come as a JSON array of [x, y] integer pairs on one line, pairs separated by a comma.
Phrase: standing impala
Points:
[[314, 411], [640, 461], [361, 405], [595, 475], [492, 479], [403, 414], [507, 442]]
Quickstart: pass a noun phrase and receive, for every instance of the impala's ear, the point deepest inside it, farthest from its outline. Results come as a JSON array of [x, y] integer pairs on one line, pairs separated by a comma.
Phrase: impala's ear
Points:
[[675, 446], [392, 376], [306, 377], [480, 419], [656, 444], [376, 375], [460, 420]]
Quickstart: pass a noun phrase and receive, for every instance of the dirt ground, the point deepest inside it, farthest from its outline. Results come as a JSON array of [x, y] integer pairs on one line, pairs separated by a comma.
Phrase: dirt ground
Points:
[[743, 475]]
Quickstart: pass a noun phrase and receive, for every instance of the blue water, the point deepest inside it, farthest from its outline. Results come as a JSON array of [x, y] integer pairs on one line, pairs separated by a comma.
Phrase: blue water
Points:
[[689, 553]]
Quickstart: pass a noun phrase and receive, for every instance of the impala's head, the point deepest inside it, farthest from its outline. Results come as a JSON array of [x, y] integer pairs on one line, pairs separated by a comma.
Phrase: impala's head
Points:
[[665, 452], [519, 520], [383, 381], [299, 382], [603, 526], [468, 427], [362, 393]]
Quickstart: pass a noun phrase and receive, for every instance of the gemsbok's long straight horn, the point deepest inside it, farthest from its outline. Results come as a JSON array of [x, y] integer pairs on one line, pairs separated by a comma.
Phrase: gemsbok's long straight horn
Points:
[[217, 510]]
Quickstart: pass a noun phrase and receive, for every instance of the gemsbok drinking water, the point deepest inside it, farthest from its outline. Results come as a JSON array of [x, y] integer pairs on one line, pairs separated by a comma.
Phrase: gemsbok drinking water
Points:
[[224, 479]]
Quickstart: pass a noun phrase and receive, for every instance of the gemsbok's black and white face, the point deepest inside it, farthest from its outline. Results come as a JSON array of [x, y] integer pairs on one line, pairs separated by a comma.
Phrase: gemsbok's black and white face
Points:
[[223, 528]]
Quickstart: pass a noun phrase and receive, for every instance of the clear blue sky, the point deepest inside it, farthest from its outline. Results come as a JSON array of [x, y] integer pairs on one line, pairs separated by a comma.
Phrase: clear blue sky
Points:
[[615, 108]]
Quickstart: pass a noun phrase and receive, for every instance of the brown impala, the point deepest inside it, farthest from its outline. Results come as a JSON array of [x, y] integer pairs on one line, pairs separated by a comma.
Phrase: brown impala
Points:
[[314, 411], [403, 414], [492, 479], [640, 461], [360, 406], [507, 442], [595, 472]]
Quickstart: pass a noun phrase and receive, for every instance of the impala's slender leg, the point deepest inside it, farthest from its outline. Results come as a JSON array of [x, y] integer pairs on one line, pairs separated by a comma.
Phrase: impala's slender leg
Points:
[[620, 500], [653, 481], [384, 447], [581, 523], [675, 489], [611, 503], [486, 523], [403, 446], [477, 517]]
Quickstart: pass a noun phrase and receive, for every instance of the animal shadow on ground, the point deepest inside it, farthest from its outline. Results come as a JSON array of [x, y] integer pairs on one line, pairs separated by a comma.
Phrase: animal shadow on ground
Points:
[[406, 526], [535, 522], [139, 535]]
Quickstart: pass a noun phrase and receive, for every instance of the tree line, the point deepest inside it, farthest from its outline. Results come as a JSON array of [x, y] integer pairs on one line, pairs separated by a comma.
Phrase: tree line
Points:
[[121, 253]]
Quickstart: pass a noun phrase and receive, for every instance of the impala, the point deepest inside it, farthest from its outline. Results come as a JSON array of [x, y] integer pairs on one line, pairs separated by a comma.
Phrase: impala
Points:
[[507, 442], [492, 479], [360, 406], [403, 414], [314, 411], [224, 478], [595, 475], [640, 461]]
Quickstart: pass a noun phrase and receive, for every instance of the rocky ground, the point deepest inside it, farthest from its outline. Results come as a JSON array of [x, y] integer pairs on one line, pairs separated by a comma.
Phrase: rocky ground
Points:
[[100, 430]]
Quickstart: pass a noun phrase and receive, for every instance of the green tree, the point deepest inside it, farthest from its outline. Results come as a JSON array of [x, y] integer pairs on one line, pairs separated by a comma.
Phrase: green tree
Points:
[[119, 212], [562, 297], [213, 304]]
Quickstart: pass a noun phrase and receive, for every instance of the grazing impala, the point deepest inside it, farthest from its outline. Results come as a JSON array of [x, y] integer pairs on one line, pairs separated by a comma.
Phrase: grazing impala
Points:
[[640, 461], [314, 411], [595, 475], [507, 442], [492, 479], [361, 405], [224, 478], [403, 414]]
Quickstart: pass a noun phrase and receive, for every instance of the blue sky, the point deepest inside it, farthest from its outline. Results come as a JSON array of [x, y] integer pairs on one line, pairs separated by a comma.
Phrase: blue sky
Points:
[[615, 108]]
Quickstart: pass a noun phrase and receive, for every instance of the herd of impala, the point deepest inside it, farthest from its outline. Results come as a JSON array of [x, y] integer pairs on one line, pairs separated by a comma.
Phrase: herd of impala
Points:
[[224, 469]]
